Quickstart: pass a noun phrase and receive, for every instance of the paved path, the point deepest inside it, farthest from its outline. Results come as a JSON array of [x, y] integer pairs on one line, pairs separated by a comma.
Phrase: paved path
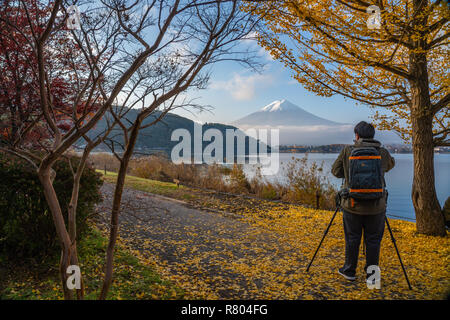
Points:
[[215, 250]]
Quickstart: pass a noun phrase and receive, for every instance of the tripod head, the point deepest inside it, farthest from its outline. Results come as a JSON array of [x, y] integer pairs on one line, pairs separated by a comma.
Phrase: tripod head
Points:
[[341, 194], [337, 199]]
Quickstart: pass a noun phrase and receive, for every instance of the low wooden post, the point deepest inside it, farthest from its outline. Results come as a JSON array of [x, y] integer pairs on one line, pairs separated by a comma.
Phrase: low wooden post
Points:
[[317, 199]]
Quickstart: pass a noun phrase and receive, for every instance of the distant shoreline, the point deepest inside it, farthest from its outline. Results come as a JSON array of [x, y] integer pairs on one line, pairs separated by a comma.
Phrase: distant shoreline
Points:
[[332, 152], [145, 152], [337, 148], [329, 148]]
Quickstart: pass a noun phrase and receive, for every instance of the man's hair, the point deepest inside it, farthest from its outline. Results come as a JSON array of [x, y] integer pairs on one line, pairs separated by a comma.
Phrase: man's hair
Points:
[[365, 130]]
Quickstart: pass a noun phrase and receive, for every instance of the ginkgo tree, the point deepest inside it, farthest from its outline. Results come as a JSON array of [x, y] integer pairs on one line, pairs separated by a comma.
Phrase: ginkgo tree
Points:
[[392, 55]]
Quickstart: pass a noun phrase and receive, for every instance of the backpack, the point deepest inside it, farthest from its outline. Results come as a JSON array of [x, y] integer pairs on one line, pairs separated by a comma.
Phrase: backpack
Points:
[[365, 181]]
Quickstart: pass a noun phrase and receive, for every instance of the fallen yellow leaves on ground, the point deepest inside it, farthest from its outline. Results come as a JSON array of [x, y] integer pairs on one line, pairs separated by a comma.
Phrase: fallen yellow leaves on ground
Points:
[[269, 261]]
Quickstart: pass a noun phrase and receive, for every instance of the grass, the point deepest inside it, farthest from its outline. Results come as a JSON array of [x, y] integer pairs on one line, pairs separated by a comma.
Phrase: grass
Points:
[[132, 279], [147, 185]]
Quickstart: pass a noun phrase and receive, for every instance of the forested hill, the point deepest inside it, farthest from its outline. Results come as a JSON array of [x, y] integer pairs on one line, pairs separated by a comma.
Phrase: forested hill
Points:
[[157, 137]]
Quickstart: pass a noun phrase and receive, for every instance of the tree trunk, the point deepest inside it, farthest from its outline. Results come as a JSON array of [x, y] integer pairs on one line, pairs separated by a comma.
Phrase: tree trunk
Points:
[[72, 214], [44, 174], [114, 225], [429, 218]]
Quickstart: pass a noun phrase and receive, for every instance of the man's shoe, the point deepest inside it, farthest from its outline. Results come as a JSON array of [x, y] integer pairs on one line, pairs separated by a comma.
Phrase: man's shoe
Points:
[[346, 276]]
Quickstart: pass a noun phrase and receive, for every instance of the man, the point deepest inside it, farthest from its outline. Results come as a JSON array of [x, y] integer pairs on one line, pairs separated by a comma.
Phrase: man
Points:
[[358, 215]]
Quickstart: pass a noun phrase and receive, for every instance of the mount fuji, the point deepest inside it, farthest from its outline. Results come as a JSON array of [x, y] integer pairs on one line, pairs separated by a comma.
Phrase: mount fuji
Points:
[[283, 113], [298, 126]]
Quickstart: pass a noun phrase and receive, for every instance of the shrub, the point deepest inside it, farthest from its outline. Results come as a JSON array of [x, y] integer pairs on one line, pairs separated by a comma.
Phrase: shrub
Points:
[[26, 224], [263, 188], [213, 178], [301, 181], [151, 167], [238, 180], [102, 160], [187, 173], [269, 192], [305, 181], [160, 168]]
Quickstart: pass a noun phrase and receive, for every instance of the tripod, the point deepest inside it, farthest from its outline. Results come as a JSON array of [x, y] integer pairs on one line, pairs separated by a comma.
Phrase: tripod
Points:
[[392, 239]]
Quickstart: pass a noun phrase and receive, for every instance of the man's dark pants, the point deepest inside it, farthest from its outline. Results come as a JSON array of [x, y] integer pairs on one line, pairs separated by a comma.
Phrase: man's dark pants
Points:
[[354, 224]]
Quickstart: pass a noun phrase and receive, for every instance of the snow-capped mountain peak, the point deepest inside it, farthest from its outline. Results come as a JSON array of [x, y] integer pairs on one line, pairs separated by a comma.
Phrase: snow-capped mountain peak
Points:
[[280, 105], [282, 113]]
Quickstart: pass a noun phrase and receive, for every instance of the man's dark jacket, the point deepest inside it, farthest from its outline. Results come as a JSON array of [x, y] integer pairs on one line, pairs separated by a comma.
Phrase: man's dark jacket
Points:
[[340, 170]]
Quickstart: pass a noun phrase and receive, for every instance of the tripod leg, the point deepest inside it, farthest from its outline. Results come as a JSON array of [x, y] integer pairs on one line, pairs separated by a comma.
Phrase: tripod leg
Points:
[[325, 233], [398, 253], [363, 244]]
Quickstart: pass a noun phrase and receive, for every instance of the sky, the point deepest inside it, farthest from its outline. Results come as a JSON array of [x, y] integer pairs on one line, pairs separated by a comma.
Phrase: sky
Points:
[[234, 92]]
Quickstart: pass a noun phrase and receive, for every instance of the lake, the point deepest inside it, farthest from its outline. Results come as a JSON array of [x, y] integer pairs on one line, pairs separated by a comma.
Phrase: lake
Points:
[[398, 180]]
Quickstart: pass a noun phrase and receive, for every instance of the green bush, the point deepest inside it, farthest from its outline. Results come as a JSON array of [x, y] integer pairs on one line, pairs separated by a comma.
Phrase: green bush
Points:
[[26, 225]]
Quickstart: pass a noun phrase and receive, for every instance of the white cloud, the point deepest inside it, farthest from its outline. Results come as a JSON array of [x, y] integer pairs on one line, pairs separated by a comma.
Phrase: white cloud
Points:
[[250, 41], [243, 88], [265, 54]]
